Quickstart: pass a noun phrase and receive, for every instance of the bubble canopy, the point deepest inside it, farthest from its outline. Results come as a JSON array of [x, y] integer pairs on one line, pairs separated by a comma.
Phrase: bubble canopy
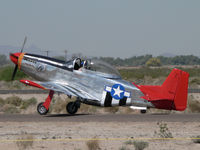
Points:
[[102, 68], [95, 67]]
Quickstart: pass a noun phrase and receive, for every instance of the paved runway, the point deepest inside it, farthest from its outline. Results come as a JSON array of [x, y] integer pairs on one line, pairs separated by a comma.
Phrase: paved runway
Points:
[[101, 118]]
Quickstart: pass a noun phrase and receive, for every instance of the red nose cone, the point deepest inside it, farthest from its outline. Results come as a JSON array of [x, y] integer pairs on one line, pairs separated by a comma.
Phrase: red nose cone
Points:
[[14, 57]]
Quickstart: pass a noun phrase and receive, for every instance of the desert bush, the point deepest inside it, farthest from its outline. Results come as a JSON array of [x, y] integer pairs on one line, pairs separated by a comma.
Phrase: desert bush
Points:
[[153, 62], [111, 109], [59, 105], [128, 110], [88, 108], [2, 102], [26, 103], [196, 139], [10, 109], [194, 106], [140, 145], [93, 144], [129, 142], [25, 141], [195, 81], [124, 148], [164, 131], [14, 100]]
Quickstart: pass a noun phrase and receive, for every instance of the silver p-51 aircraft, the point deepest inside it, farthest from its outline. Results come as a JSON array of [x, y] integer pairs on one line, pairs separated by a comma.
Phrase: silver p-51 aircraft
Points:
[[96, 83]]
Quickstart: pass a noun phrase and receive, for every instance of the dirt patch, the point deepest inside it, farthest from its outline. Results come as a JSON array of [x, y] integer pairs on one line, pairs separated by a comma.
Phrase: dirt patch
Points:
[[110, 135]]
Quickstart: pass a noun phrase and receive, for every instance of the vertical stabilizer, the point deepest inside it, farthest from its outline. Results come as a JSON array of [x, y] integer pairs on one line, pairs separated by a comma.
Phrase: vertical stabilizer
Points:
[[172, 94]]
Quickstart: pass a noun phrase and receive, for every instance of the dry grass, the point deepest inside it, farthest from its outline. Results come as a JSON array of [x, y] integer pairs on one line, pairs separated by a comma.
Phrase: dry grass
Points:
[[14, 100], [193, 105], [164, 131], [140, 145], [9, 109], [88, 109], [112, 110], [59, 105], [124, 148], [25, 141], [15, 104], [93, 145]]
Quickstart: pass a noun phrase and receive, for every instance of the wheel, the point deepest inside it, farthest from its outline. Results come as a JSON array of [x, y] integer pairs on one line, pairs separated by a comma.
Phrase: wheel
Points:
[[72, 107], [143, 111], [41, 109]]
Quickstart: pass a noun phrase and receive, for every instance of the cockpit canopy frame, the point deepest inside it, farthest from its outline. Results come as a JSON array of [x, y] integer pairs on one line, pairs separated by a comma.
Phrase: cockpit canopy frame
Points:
[[94, 66]]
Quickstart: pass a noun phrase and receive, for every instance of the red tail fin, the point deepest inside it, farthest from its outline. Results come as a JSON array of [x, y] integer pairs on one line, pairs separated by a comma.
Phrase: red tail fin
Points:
[[172, 94], [177, 83]]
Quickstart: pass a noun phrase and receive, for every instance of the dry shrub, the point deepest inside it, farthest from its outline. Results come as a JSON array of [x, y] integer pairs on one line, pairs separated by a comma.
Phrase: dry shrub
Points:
[[140, 145], [164, 131], [93, 145], [29, 102], [124, 148], [127, 110], [9, 109], [87, 109], [2, 102], [194, 106], [14, 100], [111, 109], [59, 105], [25, 141]]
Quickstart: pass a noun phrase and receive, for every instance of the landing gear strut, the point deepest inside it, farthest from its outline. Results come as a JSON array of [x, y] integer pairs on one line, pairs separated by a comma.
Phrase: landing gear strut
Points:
[[43, 108], [72, 107]]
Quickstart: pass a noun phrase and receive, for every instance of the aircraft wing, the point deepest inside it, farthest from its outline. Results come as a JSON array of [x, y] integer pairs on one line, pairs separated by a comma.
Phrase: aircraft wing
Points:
[[58, 87]]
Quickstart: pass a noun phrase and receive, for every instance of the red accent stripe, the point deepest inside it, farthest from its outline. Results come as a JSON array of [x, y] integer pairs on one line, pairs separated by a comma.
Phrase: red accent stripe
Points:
[[31, 83]]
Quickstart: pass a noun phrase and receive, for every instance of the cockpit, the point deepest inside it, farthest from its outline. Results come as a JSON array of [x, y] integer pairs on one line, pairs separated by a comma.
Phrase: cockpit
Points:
[[94, 66]]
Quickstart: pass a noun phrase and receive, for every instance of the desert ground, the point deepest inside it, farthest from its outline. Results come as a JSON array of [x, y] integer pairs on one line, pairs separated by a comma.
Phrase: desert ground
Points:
[[110, 135], [39, 134]]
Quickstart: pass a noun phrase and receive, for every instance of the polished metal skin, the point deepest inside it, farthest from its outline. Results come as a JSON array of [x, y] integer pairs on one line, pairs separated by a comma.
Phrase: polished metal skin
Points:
[[92, 81]]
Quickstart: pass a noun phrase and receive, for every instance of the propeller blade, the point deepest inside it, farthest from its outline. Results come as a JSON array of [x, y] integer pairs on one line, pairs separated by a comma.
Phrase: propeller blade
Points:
[[23, 44], [14, 73]]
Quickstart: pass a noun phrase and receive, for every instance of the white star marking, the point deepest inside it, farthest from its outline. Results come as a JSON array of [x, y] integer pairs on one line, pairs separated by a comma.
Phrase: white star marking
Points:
[[117, 91]]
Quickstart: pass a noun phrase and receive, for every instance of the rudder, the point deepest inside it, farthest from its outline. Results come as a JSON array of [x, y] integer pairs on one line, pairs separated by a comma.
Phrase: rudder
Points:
[[177, 84]]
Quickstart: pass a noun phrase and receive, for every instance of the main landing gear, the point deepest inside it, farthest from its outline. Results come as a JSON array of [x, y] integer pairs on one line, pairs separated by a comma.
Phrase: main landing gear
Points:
[[43, 108], [72, 107]]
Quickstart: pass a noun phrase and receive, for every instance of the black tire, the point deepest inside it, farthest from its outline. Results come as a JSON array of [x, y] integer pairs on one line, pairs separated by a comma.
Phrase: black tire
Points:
[[143, 111], [41, 109], [72, 108]]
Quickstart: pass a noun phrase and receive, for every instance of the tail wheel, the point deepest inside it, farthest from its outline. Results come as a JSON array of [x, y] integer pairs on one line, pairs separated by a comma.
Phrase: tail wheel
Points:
[[143, 111], [41, 109], [72, 107]]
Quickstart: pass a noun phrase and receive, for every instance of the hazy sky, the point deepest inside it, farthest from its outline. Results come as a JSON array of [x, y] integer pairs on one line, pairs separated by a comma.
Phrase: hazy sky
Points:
[[119, 28]]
